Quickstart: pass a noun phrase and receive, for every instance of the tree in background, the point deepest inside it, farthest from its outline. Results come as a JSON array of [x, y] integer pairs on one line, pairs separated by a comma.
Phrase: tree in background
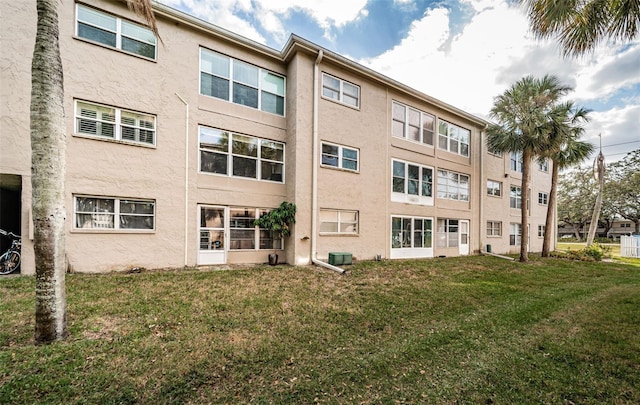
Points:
[[523, 124], [48, 166], [580, 25], [576, 194], [567, 150], [624, 190]]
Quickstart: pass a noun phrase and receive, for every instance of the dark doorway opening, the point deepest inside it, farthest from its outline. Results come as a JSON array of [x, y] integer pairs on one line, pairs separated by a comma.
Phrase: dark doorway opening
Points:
[[10, 207]]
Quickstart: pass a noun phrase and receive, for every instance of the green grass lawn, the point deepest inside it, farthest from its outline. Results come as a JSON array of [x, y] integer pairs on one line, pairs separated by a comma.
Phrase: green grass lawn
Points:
[[450, 330]]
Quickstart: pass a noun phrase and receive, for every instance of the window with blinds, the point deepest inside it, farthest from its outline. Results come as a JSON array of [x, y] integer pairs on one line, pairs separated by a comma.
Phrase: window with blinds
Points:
[[114, 123]]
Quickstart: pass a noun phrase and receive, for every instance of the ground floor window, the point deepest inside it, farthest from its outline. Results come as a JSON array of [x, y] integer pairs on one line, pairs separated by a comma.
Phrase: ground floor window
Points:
[[515, 234], [540, 231], [494, 228], [448, 232], [411, 232], [342, 222], [243, 235], [104, 213]]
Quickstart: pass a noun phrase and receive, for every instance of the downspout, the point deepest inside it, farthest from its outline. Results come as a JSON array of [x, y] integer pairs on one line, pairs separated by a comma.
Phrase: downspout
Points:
[[314, 171], [186, 179]]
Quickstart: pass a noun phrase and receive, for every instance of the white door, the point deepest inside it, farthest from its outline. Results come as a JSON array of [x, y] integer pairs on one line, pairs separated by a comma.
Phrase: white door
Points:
[[211, 234], [464, 238]]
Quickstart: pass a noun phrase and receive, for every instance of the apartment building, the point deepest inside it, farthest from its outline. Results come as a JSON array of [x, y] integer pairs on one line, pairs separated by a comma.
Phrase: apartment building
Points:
[[174, 147]]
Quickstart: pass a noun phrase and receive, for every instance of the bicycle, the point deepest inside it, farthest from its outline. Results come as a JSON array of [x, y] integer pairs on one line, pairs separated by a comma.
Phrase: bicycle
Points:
[[10, 260]]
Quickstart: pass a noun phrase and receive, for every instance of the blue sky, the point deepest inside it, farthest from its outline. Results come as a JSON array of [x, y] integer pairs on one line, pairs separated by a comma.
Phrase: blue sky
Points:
[[463, 52]]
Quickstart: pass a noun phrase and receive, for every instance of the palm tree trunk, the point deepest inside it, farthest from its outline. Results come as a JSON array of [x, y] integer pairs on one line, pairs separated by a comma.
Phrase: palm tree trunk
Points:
[[524, 217], [549, 228], [598, 206], [48, 149]]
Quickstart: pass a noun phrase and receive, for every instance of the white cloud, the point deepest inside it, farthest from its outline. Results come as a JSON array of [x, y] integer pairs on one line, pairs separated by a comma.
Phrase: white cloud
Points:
[[464, 73], [619, 127], [221, 13]]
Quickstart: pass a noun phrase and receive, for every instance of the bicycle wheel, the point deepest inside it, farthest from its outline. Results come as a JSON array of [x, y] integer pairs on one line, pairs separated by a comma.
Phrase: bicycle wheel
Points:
[[9, 262]]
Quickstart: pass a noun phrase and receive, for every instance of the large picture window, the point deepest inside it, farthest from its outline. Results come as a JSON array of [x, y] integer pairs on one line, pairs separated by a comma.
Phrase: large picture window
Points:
[[339, 156], [243, 235], [104, 213], [453, 186], [229, 154], [114, 123], [241, 83], [411, 232], [115, 32], [338, 222], [453, 138], [340, 90], [411, 183], [412, 124]]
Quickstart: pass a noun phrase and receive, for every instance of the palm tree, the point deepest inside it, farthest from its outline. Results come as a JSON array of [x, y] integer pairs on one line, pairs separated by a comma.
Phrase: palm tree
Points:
[[580, 25], [568, 150], [48, 146], [48, 164], [523, 125]]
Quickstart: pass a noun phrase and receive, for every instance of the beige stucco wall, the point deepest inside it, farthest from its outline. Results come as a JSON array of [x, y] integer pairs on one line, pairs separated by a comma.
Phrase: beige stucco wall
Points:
[[498, 209], [17, 36], [163, 173]]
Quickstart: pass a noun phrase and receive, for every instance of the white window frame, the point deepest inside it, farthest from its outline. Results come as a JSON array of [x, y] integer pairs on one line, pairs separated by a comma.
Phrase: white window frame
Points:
[[450, 186], [515, 234], [341, 220], [340, 159], [447, 238], [117, 123], [543, 198], [515, 161], [119, 32], [544, 166], [259, 86], [541, 231], [515, 197], [423, 117], [494, 188], [453, 135], [338, 94], [260, 143], [101, 218], [403, 239], [256, 233], [494, 229], [405, 196]]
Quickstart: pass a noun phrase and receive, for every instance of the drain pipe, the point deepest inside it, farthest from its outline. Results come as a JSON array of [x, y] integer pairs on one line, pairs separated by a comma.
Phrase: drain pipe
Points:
[[314, 172], [186, 180]]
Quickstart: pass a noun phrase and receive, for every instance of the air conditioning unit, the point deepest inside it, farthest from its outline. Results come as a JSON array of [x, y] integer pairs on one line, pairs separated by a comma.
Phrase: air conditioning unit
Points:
[[340, 258]]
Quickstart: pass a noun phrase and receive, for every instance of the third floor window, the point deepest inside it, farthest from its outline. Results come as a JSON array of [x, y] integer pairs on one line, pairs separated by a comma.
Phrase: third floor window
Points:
[[453, 138], [115, 32], [412, 124], [241, 83]]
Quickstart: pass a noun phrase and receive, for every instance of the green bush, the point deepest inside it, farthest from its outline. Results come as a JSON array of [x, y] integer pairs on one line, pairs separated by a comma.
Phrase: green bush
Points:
[[594, 251]]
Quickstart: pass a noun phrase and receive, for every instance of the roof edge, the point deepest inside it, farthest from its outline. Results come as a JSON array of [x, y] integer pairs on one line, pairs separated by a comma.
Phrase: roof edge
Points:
[[296, 43]]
